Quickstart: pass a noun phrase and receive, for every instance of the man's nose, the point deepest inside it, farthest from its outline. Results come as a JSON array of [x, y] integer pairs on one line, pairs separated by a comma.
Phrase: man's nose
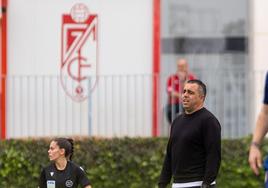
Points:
[[185, 94]]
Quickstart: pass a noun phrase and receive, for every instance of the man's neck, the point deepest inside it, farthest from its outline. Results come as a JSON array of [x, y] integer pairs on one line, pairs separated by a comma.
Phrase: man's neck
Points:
[[193, 111]]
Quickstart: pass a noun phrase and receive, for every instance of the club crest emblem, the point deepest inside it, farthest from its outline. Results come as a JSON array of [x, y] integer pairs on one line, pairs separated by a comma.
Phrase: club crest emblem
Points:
[[79, 52], [69, 183]]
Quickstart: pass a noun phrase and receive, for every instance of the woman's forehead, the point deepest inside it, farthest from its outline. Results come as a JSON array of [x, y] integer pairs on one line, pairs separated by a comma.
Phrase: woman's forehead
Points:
[[53, 143]]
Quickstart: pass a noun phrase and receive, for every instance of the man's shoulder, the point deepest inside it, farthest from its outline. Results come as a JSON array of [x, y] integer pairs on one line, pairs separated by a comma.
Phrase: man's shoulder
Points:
[[206, 113], [210, 117]]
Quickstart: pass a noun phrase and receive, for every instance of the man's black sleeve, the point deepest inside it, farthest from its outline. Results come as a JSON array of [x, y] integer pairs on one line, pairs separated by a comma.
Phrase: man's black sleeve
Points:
[[212, 142], [166, 169]]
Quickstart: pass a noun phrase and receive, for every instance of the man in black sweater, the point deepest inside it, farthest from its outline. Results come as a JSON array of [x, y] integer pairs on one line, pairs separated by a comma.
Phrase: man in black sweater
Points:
[[194, 148]]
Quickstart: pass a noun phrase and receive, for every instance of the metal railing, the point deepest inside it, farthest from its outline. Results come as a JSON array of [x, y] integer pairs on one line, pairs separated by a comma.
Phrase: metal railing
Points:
[[120, 105]]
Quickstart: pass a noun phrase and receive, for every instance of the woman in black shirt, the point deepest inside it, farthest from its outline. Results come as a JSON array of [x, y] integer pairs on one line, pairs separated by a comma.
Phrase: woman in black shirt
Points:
[[62, 172]]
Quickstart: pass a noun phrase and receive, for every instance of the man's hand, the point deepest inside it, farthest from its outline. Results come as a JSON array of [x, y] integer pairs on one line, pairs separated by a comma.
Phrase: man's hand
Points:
[[255, 159]]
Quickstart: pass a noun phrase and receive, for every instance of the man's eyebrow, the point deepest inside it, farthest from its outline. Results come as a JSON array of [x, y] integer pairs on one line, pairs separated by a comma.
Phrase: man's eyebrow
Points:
[[188, 90]]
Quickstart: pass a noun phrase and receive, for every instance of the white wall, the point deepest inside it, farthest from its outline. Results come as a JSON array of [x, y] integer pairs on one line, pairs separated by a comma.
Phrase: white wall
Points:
[[37, 103], [125, 35]]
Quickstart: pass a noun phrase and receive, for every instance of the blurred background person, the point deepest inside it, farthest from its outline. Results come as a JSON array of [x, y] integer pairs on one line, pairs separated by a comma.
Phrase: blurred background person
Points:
[[175, 84]]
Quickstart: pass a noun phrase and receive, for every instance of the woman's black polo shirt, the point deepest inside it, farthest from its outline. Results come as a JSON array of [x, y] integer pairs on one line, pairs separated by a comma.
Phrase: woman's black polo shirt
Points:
[[72, 176]]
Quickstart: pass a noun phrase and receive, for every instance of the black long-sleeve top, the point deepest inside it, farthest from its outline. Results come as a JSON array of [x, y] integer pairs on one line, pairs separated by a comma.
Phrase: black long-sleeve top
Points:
[[193, 150]]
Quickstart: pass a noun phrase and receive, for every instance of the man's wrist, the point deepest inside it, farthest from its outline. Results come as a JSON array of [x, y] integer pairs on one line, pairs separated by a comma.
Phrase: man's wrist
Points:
[[255, 144]]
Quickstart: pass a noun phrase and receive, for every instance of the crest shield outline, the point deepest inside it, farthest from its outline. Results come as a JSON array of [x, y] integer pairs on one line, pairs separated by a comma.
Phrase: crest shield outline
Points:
[[79, 52]]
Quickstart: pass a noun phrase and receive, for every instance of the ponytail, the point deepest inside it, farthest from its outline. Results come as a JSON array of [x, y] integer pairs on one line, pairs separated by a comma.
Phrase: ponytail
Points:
[[68, 145], [71, 141]]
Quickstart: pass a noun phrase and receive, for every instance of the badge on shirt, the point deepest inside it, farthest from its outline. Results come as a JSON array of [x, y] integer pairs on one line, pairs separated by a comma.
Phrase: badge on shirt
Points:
[[69, 183], [51, 184]]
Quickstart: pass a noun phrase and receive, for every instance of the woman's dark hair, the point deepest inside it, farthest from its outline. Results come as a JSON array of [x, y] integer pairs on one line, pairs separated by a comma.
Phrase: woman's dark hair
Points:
[[67, 144]]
